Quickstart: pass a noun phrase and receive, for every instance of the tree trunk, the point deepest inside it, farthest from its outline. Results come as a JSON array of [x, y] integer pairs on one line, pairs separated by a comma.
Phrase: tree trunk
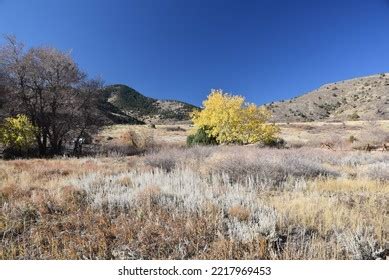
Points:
[[42, 145]]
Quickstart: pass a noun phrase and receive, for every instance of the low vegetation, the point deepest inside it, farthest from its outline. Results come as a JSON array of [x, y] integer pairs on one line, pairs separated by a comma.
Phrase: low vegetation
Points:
[[215, 202], [201, 137], [17, 134]]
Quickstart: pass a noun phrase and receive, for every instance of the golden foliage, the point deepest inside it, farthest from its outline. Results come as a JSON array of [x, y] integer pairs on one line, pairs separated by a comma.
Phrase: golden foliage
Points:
[[17, 132], [230, 119]]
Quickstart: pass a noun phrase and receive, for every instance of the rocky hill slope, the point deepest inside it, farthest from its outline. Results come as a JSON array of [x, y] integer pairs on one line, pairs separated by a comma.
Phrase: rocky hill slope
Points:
[[364, 98], [123, 104]]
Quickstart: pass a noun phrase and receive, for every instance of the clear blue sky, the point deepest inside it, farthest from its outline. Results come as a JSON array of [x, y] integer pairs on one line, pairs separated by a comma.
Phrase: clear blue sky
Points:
[[180, 49]]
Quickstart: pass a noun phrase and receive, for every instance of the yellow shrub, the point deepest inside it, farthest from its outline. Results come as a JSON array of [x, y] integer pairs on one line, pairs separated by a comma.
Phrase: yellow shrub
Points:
[[230, 120], [17, 132]]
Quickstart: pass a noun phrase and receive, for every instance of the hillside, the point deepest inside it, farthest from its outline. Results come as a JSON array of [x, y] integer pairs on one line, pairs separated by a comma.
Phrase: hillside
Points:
[[124, 103], [364, 98]]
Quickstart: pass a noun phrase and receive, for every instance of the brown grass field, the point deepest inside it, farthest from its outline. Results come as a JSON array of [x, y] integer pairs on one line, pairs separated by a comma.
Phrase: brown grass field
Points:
[[296, 134], [167, 201]]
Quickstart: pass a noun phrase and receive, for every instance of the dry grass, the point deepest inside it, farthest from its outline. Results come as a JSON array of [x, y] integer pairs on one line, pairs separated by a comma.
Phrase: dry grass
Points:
[[296, 134], [162, 135], [197, 203], [336, 133]]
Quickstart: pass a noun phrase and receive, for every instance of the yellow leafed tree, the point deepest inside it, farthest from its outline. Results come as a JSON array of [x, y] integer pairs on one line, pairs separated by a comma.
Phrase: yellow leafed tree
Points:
[[230, 119]]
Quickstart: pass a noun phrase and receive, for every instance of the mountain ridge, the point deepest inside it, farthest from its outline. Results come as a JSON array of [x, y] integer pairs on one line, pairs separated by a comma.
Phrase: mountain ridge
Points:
[[359, 98], [133, 107]]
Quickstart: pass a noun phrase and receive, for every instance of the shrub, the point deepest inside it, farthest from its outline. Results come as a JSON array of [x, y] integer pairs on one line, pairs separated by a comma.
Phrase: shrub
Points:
[[118, 150], [275, 142], [374, 134], [378, 171], [17, 134], [265, 165], [201, 137], [164, 161], [352, 139], [139, 140], [359, 245], [176, 128], [354, 116], [168, 159]]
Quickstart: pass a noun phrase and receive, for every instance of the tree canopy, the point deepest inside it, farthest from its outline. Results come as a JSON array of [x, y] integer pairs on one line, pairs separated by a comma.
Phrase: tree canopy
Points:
[[229, 119], [46, 85]]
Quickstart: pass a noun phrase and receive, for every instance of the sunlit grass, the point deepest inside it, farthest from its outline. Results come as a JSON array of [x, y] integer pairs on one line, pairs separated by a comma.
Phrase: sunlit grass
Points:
[[198, 203]]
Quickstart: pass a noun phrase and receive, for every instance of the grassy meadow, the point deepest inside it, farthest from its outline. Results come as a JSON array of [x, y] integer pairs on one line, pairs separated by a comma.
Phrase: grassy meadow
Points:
[[145, 195]]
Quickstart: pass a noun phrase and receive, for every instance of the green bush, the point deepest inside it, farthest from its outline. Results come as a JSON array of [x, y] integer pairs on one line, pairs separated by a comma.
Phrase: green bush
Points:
[[200, 138], [352, 139], [276, 142]]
